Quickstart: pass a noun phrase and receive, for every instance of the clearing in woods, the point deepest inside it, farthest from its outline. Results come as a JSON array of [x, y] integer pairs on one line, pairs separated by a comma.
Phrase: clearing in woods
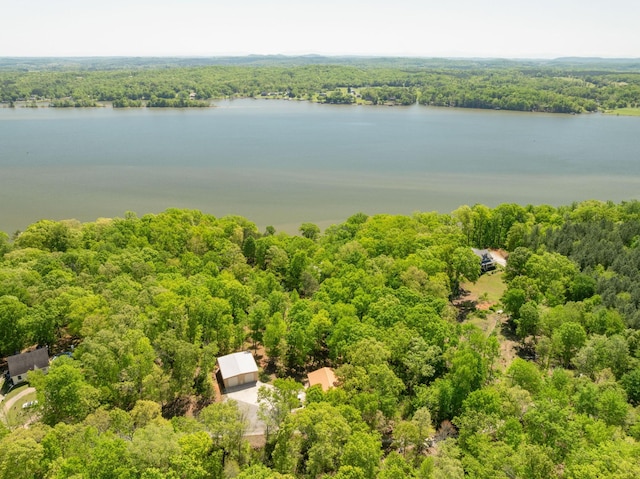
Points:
[[481, 296]]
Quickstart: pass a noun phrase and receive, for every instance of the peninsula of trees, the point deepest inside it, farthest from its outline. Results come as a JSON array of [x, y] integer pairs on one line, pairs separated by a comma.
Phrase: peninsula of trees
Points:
[[558, 86], [426, 387]]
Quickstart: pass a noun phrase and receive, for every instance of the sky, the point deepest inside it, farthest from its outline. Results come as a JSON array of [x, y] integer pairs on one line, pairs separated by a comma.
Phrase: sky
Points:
[[420, 28]]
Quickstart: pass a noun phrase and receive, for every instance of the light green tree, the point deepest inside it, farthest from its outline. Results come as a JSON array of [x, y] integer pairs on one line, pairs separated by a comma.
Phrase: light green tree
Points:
[[12, 310], [567, 340], [363, 451], [275, 403], [226, 424], [63, 393], [310, 230], [21, 458]]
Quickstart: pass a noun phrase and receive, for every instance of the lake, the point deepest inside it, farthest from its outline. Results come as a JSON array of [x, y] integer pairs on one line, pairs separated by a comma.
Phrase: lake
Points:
[[285, 162]]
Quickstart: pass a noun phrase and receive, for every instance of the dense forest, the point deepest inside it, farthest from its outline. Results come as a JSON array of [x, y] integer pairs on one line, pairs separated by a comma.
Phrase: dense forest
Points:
[[146, 305], [561, 86]]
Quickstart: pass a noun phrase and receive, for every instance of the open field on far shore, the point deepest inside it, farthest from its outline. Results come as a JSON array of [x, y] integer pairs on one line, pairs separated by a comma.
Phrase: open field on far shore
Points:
[[624, 112]]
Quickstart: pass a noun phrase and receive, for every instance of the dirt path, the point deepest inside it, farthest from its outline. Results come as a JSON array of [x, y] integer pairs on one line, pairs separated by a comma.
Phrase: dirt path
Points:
[[494, 323], [9, 404], [507, 346]]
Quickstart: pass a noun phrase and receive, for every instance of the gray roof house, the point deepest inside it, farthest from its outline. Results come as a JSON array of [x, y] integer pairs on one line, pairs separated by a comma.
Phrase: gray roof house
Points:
[[486, 260], [21, 364]]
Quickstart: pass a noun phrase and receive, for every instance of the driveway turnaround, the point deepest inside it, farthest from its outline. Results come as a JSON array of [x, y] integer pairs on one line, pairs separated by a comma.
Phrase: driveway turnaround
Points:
[[247, 399], [7, 405]]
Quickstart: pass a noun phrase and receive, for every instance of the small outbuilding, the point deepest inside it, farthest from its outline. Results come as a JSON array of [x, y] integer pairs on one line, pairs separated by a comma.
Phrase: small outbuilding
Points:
[[238, 369], [324, 377], [20, 364]]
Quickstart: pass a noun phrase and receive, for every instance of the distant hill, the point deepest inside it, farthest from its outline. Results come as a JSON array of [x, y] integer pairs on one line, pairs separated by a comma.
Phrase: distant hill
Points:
[[116, 63]]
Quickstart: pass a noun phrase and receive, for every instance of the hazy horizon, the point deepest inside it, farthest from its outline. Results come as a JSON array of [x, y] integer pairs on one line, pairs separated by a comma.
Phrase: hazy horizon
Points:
[[404, 28], [338, 55]]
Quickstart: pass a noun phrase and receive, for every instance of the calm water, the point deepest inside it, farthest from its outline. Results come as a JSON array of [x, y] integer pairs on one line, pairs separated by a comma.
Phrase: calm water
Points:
[[284, 163]]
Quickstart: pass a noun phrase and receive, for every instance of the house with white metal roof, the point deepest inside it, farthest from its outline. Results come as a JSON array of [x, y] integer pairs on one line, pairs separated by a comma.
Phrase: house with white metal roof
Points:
[[238, 369]]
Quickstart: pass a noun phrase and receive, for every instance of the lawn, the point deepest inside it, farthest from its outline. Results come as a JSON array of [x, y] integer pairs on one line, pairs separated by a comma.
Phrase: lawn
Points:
[[18, 416], [488, 289]]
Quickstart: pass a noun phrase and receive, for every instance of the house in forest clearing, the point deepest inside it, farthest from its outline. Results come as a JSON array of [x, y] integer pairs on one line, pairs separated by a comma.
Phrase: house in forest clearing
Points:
[[487, 262], [238, 369], [324, 377], [20, 364]]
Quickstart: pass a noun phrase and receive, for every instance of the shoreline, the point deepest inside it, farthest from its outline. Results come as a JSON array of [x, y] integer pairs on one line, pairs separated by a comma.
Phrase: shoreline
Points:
[[45, 104]]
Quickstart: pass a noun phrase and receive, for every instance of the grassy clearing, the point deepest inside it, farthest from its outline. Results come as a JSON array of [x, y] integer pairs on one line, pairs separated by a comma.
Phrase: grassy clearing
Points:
[[489, 288], [484, 324], [486, 292], [624, 112]]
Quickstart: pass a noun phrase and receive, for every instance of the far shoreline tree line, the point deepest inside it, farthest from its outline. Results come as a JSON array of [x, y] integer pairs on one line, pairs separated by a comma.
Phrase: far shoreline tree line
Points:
[[561, 88]]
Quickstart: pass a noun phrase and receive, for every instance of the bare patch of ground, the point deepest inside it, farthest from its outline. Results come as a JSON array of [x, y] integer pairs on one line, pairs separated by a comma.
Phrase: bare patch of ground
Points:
[[257, 441], [500, 256], [217, 392], [508, 345]]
